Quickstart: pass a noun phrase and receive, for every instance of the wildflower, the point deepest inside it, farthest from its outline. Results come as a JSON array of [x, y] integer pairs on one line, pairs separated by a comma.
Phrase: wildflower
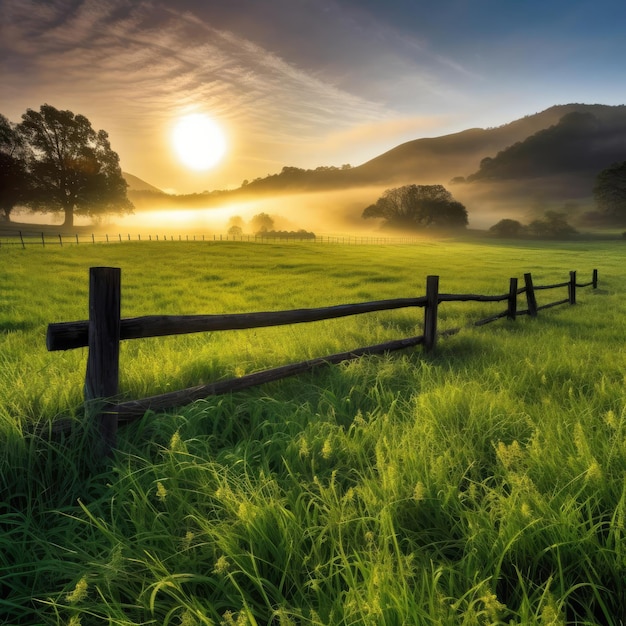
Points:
[[594, 472], [511, 455], [580, 440], [492, 606], [187, 619], [161, 491], [611, 419], [327, 450], [419, 492], [221, 565], [79, 592], [189, 536], [551, 616], [175, 442], [246, 511], [74, 621], [526, 510], [234, 619], [304, 447]]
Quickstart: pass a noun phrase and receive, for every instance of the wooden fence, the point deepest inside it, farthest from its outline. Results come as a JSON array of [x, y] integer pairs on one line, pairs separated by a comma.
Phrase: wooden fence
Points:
[[105, 329]]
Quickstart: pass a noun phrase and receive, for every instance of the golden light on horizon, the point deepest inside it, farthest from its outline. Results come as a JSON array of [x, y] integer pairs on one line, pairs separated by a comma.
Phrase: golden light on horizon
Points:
[[198, 141]]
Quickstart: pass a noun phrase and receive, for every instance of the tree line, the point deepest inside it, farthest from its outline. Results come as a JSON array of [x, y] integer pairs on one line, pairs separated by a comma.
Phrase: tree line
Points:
[[54, 161]]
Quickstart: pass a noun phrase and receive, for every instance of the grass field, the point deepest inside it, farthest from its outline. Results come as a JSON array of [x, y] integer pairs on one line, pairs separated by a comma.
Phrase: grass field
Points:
[[484, 483]]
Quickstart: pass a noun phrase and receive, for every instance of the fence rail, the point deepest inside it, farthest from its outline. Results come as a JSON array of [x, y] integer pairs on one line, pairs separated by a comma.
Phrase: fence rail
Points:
[[105, 329]]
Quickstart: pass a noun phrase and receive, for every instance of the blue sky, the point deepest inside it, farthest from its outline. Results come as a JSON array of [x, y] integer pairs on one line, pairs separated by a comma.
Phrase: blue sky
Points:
[[303, 82]]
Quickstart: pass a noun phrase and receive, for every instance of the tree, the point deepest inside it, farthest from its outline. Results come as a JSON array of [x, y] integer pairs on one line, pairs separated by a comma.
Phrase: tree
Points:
[[553, 226], [261, 223], [507, 228], [610, 192], [417, 207], [73, 167], [15, 181]]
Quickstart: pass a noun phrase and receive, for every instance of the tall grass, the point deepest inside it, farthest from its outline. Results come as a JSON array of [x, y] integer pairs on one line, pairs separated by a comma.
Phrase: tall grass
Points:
[[481, 484]]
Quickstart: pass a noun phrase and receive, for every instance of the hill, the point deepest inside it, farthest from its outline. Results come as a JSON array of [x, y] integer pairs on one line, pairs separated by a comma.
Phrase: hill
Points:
[[443, 158], [137, 184], [580, 143], [539, 162]]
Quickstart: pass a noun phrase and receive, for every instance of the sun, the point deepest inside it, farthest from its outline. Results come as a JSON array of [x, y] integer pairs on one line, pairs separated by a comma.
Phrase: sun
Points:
[[198, 141]]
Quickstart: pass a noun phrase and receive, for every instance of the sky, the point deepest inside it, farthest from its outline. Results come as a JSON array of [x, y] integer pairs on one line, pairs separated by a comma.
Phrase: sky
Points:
[[302, 83]]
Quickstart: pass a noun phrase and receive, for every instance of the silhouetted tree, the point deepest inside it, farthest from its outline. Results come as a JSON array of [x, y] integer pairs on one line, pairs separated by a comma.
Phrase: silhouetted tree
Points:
[[507, 228], [417, 207], [610, 192], [73, 167], [553, 226], [261, 223], [235, 226], [15, 182]]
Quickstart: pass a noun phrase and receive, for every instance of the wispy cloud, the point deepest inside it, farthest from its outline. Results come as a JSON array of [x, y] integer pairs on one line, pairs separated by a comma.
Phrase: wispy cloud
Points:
[[136, 65]]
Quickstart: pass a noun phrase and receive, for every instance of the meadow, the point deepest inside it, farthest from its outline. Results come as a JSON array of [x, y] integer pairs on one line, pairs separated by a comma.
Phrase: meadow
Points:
[[482, 483]]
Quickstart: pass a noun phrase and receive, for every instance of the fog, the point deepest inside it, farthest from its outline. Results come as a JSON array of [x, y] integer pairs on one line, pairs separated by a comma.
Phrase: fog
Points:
[[335, 212]]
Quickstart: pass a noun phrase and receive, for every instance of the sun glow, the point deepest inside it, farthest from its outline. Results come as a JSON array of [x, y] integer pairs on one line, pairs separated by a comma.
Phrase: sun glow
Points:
[[198, 141]]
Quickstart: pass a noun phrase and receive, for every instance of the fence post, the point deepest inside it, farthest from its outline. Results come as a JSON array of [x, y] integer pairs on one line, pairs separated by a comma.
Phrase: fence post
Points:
[[530, 295], [101, 380], [511, 312], [594, 280], [430, 312], [572, 288], [22, 240]]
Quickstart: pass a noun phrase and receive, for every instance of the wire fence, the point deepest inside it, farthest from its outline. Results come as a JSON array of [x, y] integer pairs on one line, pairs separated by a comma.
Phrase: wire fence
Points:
[[30, 239]]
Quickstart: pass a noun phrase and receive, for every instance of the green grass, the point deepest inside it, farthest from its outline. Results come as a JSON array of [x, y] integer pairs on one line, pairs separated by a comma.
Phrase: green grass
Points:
[[482, 484]]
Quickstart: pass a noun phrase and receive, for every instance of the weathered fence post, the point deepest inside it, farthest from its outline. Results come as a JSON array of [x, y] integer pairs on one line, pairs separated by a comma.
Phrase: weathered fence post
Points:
[[101, 380], [571, 288], [430, 312], [594, 280], [530, 295], [511, 312]]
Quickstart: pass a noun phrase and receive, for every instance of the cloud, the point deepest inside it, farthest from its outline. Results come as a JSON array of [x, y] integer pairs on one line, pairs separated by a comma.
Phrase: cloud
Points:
[[131, 67]]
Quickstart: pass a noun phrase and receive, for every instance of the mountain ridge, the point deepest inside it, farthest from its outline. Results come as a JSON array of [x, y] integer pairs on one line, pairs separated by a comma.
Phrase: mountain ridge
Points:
[[447, 159]]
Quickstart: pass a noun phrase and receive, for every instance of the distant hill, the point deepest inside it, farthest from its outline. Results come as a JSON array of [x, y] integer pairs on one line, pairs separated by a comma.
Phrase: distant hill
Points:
[[579, 144], [440, 159], [543, 161], [136, 184], [458, 154]]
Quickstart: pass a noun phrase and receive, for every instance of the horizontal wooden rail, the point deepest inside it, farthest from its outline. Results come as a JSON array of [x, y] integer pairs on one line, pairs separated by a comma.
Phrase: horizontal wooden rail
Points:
[[467, 297], [69, 335], [105, 329], [127, 411]]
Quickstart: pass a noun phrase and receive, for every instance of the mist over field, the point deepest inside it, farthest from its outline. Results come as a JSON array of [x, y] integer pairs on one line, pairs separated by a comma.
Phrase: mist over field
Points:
[[543, 162], [334, 211]]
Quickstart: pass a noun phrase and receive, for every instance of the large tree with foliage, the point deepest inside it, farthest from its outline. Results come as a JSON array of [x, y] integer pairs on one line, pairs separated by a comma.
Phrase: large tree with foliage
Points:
[[261, 223], [610, 192], [418, 207], [73, 167], [14, 178]]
